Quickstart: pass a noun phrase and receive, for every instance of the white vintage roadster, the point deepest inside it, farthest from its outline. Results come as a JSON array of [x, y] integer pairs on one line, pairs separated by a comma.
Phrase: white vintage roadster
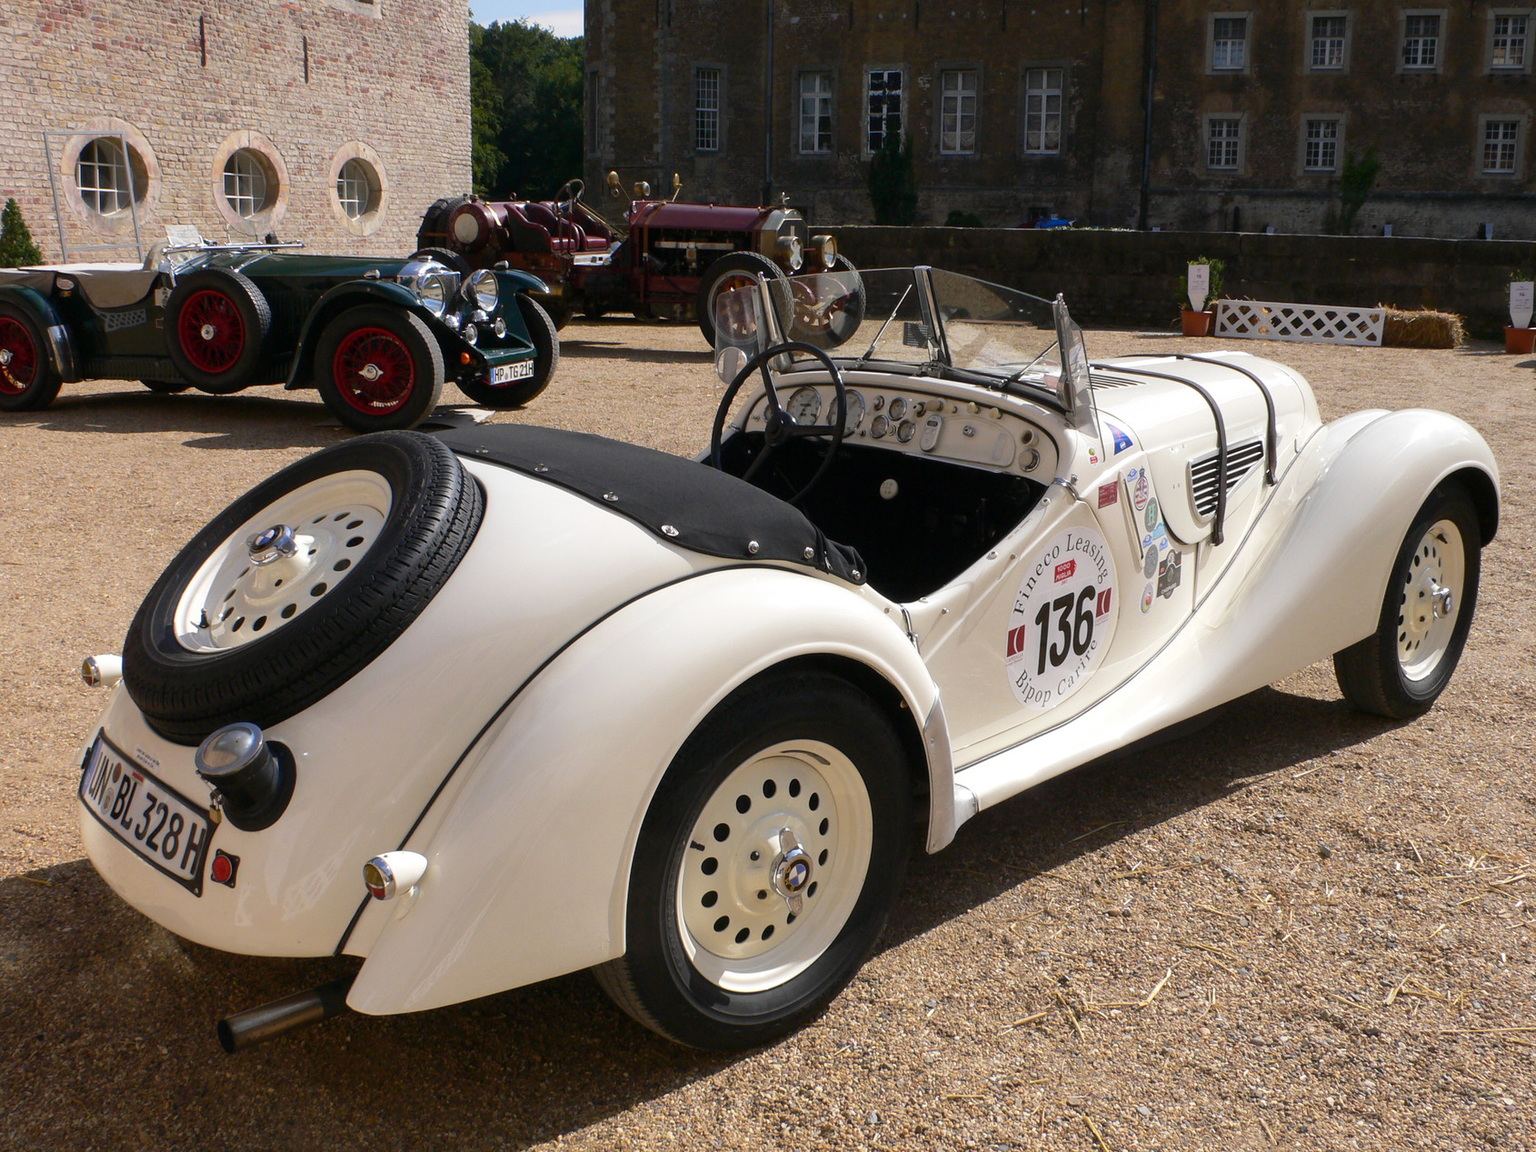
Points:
[[498, 705]]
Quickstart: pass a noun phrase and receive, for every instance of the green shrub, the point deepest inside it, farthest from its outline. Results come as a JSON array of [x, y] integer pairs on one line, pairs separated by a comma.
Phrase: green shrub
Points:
[[892, 186], [16, 247]]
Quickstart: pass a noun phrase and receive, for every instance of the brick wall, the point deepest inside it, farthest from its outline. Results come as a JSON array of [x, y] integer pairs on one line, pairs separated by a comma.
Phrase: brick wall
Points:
[[1137, 278], [303, 87]]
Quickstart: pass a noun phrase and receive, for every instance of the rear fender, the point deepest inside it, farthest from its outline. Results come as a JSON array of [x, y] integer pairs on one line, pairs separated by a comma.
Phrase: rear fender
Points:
[[530, 843], [61, 346]]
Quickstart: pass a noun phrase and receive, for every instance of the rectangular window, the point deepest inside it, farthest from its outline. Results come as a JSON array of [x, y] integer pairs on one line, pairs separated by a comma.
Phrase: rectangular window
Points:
[[815, 113], [1322, 146], [1229, 43], [884, 107], [1328, 42], [1509, 40], [957, 111], [1223, 140], [1501, 141], [1421, 42], [1042, 110], [706, 109]]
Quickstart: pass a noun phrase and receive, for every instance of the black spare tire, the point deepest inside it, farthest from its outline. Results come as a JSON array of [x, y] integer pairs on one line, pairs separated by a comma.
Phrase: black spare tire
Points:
[[299, 584]]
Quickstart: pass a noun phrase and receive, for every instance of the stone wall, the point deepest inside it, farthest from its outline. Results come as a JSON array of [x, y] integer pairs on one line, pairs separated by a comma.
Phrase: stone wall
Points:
[[300, 88], [1137, 278]]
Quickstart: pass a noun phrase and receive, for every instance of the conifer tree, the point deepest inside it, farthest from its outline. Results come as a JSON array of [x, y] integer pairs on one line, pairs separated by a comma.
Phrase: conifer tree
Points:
[[16, 247]]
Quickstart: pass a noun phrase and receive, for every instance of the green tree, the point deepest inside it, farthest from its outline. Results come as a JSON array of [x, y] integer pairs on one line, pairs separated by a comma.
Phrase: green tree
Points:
[[525, 108], [892, 185], [1355, 184], [16, 247]]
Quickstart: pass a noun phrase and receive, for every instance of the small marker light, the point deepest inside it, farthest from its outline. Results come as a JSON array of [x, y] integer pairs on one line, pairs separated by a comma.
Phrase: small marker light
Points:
[[392, 873]]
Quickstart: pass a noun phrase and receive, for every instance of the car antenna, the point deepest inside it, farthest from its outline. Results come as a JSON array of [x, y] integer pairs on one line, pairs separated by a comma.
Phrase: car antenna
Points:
[[870, 351]]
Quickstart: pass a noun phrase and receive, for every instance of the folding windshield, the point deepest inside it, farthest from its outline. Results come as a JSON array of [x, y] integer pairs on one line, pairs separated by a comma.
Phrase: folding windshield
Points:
[[914, 320]]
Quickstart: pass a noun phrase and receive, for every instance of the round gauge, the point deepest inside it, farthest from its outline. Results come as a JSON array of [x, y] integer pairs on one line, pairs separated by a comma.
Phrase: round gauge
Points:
[[855, 412], [804, 406], [877, 403], [898, 408], [879, 426], [905, 431]]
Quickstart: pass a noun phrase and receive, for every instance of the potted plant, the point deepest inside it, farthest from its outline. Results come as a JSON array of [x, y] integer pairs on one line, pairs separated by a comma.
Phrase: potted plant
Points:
[[1519, 336], [1202, 280]]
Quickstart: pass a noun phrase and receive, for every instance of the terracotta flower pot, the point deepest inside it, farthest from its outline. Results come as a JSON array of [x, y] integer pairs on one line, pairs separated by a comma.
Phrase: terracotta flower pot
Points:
[[1521, 341], [1196, 323]]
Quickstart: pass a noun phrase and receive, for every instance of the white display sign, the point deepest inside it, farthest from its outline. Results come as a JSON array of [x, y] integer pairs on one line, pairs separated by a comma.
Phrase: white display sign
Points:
[[1520, 292], [1063, 618], [1199, 286]]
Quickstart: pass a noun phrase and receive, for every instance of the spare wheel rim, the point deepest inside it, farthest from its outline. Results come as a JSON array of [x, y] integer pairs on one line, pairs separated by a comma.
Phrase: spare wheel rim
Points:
[[210, 331], [247, 589]]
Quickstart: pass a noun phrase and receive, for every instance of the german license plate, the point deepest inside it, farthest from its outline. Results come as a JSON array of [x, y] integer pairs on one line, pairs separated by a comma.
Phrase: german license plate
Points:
[[153, 819], [506, 373]]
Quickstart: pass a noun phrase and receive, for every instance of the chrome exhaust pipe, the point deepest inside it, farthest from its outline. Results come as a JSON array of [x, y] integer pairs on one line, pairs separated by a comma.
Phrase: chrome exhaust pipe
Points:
[[257, 1024]]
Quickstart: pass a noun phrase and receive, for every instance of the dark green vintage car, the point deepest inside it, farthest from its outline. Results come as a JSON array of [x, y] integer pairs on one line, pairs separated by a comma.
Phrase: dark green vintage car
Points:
[[378, 338]]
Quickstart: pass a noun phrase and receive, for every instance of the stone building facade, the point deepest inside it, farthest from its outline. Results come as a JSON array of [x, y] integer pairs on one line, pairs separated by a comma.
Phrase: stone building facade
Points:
[[333, 122], [1176, 114]]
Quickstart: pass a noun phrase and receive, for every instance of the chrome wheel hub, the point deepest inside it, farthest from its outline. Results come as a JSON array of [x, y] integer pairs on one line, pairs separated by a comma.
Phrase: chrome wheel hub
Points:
[[6, 356], [370, 372], [283, 561], [773, 866], [208, 332], [1431, 597]]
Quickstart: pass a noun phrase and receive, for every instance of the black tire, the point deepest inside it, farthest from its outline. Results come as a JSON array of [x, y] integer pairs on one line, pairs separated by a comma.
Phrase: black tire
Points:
[[559, 314], [447, 258], [216, 326], [434, 221], [733, 270], [546, 349], [379, 369], [28, 380], [189, 680], [166, 387], [1400, 670], [831, 326], [783, 742]]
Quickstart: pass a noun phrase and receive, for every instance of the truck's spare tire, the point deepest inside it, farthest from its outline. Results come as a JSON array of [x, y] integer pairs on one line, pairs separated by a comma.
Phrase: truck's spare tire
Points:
[[299, 584]]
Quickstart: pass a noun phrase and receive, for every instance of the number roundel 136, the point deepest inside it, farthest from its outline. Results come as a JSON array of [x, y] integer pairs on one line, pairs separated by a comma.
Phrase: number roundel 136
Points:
[[1063, 618]]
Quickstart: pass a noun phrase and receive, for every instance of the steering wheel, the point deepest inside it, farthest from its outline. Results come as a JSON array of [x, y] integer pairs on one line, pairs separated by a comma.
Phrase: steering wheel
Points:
[[779, 426], [570, 192]]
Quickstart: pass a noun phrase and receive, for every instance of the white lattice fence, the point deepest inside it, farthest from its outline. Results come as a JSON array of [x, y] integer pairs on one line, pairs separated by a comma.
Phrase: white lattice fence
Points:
[[1309, 323]]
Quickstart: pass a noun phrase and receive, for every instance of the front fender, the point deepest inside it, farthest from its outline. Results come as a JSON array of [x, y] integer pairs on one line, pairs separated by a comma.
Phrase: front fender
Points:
[[61, 348], [513, 280], [332, 304], [530, 844]]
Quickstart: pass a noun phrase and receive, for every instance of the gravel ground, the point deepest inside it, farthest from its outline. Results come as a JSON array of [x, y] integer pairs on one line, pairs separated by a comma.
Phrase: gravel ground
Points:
[[1298, 928]]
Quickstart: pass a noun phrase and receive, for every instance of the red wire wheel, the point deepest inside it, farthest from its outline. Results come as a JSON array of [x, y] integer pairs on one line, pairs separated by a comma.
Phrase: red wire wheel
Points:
[[374, 371], [218, 322], [379, 368], [27, 377]]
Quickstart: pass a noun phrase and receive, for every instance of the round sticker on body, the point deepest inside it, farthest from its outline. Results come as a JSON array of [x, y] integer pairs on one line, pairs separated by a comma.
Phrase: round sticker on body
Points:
[[1063, 618]]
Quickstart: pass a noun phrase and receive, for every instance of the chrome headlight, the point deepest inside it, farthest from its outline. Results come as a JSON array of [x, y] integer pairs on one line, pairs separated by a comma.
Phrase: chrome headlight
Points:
[[482, 290], [787, 252], [823, 251], [433, 284]]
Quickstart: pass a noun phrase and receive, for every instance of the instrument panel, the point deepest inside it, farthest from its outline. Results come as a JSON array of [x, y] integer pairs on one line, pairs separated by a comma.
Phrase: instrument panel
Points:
[[902, 419]]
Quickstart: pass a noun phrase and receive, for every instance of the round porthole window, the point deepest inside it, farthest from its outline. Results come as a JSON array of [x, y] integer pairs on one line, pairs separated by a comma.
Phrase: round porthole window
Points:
[[361, 198], [248, 183], [357, 188], [110, 176]]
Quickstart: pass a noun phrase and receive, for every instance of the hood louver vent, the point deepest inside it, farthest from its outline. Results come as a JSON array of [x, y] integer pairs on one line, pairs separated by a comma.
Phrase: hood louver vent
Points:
[[1241, 459]]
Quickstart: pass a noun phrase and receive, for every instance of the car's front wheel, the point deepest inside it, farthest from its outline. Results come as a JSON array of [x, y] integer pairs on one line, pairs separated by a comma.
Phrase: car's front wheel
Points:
[[732, 271], [766, 864], [379, 369], [1400, 670], [546, 356]]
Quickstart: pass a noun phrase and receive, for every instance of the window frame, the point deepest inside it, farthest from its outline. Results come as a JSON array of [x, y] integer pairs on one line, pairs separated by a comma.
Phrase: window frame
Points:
[[942, 113], [1491, 46], [1210, 44], [1337, 119], [1061, 107], [701, 112], [1309, 61], [1403, 18], [902, 114], [125, 194], [830, 95], [1517, 161], [1241, 119]]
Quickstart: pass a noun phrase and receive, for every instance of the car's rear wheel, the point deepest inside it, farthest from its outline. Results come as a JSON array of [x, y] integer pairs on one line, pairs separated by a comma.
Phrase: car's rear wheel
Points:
[[732, 271], [217, 323], [27, 378], [546, 355], [379, 369], [1400, 670], [299, 584], [766, 864]]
